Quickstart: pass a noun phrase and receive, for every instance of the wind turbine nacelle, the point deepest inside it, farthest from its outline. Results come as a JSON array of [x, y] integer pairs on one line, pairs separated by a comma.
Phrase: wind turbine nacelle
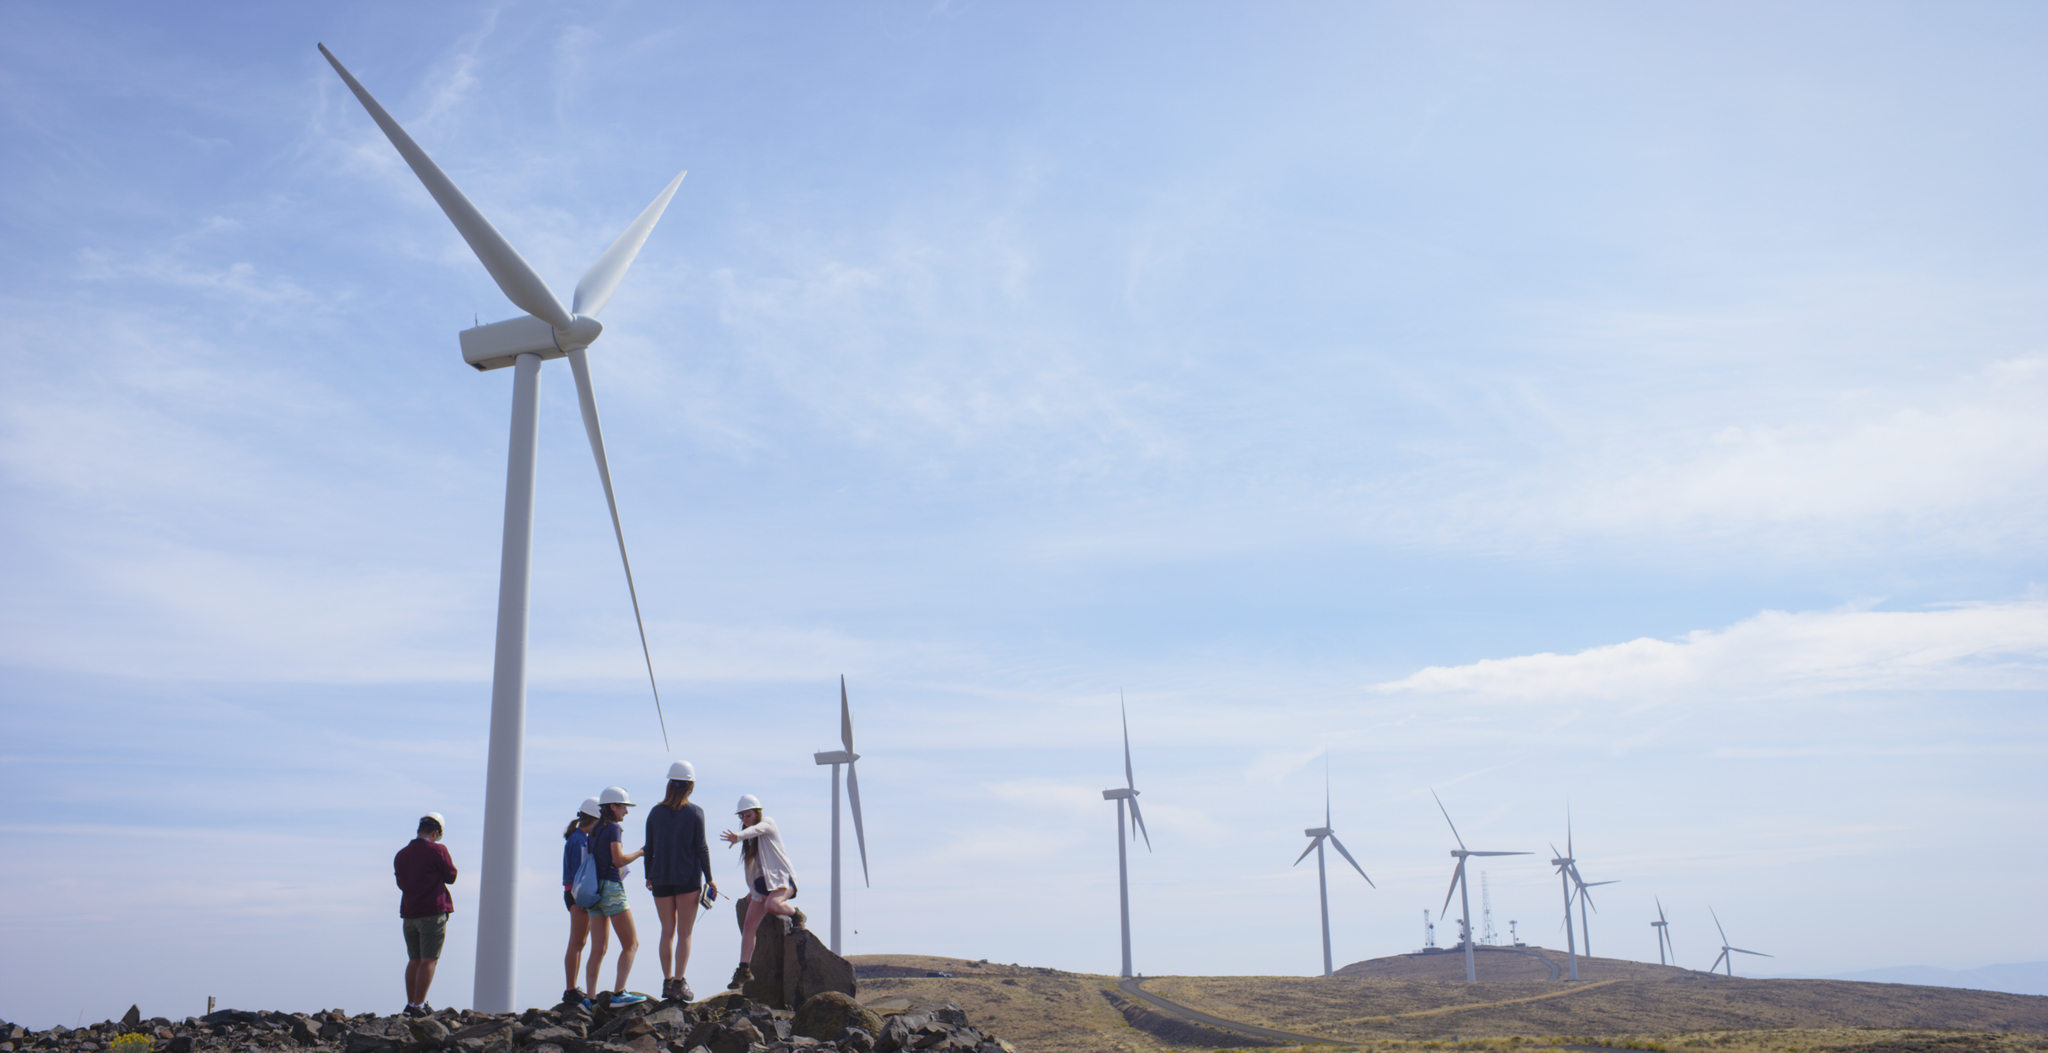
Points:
[[835, 757], [1320, 831], [500, 344], [1118, 795]]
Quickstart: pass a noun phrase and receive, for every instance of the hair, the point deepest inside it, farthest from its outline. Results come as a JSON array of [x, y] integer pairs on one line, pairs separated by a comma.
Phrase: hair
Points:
[[606, 810], [428, 825], [575, 825], [678, 793], [751, 847]]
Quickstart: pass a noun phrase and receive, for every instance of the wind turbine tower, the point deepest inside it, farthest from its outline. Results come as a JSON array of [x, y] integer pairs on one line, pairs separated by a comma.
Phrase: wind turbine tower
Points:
[[547, 330], [836, 758], [1462, 888], [1663, 935], [1320, 834], [1128, 795]]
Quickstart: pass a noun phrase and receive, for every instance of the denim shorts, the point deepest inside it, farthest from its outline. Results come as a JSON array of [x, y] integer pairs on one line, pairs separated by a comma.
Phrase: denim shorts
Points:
[[611, 899]]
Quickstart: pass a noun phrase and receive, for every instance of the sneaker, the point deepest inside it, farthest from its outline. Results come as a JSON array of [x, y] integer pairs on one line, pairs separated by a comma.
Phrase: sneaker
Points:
[[572, 996], [411, 1010], [740, 976], [798, 917], [620, 998], [668, 988], [683, 991]]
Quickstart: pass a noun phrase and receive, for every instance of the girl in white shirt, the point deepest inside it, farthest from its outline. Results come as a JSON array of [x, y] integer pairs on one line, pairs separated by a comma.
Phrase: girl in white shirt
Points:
[[770, 879]]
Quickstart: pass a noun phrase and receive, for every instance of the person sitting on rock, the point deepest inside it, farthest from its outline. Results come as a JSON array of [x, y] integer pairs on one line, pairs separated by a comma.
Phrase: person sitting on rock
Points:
[[678, 872], [612, 858], [769, 876], [424, 871]]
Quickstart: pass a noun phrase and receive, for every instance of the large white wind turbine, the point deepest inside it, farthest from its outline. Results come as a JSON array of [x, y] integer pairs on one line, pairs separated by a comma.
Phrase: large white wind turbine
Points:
[[1127, 795], [1574, 888], [547, 330], [1320, 834], [836, 758], [1663, 936], [1458, 883], [1726, 950]]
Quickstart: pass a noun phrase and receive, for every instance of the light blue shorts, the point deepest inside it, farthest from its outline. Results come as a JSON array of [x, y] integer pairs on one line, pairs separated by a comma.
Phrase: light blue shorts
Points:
[[611, 899]]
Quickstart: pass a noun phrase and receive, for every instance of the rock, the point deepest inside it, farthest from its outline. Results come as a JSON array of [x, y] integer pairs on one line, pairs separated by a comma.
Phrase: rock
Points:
[[559, 1037], [853, 1040], [624, 1029], [736, 1037], [428, 1031], [180, 1044], [131, 1018], [824, 1014], [790, 965], [360, 1042], [544, 1047], [482, 1029]]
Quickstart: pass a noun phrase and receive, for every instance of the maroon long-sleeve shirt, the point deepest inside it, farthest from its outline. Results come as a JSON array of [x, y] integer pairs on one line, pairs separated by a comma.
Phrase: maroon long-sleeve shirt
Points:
[[424, 873]]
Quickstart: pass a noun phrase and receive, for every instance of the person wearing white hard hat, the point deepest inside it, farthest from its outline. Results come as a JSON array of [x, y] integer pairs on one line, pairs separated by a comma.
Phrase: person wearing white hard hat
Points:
[[771, 882], [424, 872], [576, 845], [678, 873], [612, 858]]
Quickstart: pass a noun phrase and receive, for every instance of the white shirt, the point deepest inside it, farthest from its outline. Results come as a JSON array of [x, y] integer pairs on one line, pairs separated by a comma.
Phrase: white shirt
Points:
[[771, 861]]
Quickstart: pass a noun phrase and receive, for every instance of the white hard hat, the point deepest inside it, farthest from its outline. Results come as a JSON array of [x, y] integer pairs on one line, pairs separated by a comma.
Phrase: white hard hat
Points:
[[615, 795], [682, 770], [438, 821], [592, 807], [748, 803]]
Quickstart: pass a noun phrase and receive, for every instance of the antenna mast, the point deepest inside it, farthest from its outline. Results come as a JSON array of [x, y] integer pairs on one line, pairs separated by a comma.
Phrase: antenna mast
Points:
[[1487, 936], [1428, 932]]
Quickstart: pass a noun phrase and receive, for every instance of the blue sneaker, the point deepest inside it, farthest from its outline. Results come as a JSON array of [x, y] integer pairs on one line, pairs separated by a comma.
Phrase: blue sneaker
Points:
[[625, 998]]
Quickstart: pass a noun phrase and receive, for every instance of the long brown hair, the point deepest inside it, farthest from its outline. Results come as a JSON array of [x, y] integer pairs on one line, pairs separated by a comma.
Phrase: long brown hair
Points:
[[751, 847], [575, 825], [678, 793]]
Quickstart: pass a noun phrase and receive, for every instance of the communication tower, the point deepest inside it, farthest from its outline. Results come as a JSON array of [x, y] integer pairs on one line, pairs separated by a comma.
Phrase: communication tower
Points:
[[1487, 936], [1428, 932], [1516, 940]]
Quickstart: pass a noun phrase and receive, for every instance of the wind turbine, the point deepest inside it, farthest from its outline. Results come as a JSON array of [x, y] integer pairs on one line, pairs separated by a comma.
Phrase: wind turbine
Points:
[[1663, 935], [1127, 795], [1725, 949], [836, 758], [1586, 898], [1320, 834], [1574, 886], [547, 330], [1459, 885]]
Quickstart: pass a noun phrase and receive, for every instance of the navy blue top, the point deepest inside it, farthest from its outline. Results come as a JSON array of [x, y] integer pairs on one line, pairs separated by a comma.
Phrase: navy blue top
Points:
[[601, 841], [572, 855], [676, 852]]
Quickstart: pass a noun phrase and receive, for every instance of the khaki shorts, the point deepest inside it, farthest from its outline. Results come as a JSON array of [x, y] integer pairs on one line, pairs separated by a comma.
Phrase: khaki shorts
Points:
[[424, 936]]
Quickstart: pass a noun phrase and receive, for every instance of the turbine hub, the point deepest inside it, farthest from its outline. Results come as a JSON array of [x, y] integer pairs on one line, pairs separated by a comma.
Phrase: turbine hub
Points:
[[582, 330]]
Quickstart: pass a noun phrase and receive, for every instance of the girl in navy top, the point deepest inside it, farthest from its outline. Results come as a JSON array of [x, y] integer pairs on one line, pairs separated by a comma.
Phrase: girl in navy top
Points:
[[678, 871], [576, 845]]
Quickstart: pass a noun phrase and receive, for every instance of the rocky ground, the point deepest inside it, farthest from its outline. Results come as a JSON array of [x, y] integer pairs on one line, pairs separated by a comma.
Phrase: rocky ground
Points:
[[728, 1023]]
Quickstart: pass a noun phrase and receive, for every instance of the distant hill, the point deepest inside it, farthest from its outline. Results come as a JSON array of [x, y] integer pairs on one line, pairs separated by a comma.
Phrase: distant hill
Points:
[[2019, 978]]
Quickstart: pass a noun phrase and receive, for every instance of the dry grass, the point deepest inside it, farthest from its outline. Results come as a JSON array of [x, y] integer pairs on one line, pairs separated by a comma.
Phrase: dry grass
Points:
[[1621, 1005]]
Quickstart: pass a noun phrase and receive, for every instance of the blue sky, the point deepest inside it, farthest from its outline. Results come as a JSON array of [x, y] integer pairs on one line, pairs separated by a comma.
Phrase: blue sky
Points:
[[1635, 408]]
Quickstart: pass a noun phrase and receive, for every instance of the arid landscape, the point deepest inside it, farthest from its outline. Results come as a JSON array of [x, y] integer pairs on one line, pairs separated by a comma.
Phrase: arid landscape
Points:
[[1422, 1002]]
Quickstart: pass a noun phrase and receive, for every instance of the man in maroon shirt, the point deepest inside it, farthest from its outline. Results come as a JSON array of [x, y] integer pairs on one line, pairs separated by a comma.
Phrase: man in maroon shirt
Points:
[[424, 873]]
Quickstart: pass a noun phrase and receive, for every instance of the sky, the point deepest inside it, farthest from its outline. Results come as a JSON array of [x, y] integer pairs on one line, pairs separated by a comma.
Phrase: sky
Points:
[[1629, 412]]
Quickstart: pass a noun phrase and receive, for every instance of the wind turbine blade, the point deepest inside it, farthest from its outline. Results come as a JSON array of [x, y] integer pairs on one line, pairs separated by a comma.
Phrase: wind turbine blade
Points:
[[1453, 890], [579, 364], [1660, 911], [845, 716], [1130, 781], [1304, 852], [1348, 859], [604, 276], [1718, 961], [860, 836], [1138, 820], [1759, 954], [1326, 789], [1718, 928], [1447, 818], [510, 270], [1498, 853]]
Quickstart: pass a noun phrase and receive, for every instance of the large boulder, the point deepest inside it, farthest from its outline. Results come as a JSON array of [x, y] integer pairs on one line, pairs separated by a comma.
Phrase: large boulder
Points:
[[791, 965], [822, 1015]]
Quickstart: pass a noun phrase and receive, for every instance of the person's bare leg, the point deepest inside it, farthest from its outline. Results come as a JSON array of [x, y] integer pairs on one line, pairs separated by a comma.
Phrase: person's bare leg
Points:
[[757, 908], [600, 941], [778, 901], [412, 981], [425, 978], [686, 923], [579, 933], [665, 906], [629, 944]]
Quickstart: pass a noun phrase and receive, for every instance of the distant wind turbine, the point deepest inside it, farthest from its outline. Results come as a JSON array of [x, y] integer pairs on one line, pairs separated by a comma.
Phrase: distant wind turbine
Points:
[[547, 330], [1127, 795], [836, 758], [1663, 935], [1460, 887], [1320, 834], [1726, 950]]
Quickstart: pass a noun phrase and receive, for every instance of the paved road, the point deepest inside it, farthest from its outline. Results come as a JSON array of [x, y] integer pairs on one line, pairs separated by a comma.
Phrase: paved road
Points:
[[1133, 988]]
